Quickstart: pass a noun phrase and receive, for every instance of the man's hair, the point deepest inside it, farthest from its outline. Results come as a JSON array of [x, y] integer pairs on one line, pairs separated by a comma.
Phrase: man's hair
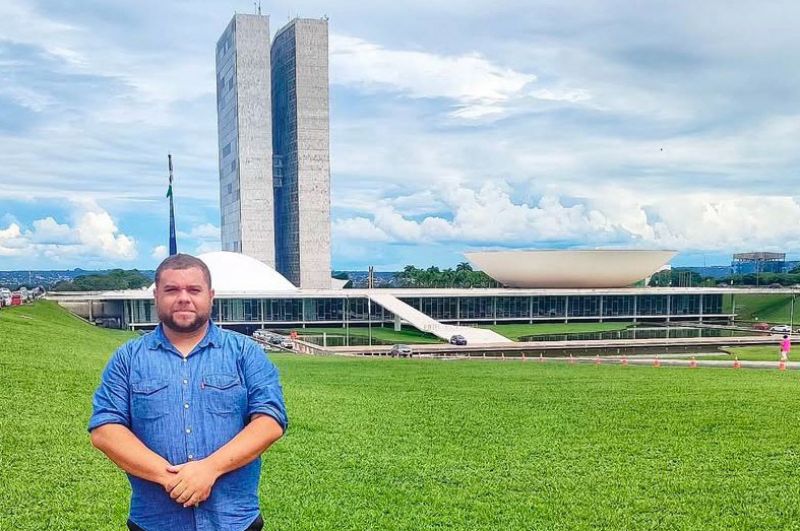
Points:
[[183, 261]]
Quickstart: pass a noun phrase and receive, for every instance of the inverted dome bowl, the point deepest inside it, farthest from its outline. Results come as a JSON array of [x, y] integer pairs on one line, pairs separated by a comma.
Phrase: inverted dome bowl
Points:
[[569, 269]]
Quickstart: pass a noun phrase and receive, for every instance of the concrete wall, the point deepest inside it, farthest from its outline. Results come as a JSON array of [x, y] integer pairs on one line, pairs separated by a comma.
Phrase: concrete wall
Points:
[[301, 132], [244, 115]]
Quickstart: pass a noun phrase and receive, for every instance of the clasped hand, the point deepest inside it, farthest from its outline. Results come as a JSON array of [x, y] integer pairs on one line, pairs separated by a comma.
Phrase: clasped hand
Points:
[[190, 483]]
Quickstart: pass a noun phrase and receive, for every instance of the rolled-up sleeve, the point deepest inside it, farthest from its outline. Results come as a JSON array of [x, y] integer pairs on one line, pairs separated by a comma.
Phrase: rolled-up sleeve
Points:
[[264, 391], [110, 404]]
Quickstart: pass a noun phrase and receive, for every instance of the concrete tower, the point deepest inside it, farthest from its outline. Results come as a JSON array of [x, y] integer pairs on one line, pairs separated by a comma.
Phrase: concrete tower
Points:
[[301, 145], [244, 124]]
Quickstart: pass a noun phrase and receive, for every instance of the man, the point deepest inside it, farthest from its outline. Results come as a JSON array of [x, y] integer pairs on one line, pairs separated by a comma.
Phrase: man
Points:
[[187, 410]]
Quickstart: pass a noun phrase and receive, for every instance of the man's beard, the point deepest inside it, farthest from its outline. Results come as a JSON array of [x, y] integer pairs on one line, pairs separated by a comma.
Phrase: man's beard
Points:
[[200, 320]]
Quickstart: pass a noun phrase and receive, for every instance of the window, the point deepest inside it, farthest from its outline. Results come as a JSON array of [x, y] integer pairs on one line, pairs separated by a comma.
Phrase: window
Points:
[[226, 150]]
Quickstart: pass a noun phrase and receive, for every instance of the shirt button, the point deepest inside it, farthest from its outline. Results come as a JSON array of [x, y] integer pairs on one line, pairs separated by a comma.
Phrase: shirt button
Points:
[[188, 430], [191, 457], [186, 406], [185, 382]]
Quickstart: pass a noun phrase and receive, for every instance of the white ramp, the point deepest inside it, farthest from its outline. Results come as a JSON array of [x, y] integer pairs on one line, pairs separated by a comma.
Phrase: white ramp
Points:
[[420, 321]]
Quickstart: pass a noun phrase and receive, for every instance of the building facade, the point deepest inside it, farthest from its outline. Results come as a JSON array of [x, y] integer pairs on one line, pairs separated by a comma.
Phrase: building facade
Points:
[[301, 145], [453, 306], [274, 146], [244, 118]]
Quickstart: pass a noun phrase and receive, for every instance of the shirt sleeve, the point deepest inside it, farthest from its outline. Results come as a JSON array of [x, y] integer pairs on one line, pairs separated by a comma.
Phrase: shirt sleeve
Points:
[[264, 391], [110, 404]]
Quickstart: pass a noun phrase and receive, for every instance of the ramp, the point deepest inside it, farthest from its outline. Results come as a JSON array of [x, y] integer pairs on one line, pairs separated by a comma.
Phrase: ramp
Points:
[[420, 321]]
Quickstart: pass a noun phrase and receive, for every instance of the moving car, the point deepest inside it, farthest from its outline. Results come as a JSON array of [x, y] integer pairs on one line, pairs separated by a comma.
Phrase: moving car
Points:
[[400, 351], [275, 340], [781, 329], [761, 326], [458, 339], [285, 343]]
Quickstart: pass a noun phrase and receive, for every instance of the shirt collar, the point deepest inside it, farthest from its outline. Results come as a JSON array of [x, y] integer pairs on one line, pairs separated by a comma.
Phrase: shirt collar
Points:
[[157, 338]]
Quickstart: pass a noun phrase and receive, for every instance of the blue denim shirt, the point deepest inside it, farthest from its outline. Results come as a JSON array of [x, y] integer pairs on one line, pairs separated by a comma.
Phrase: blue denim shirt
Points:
[[184, 409]]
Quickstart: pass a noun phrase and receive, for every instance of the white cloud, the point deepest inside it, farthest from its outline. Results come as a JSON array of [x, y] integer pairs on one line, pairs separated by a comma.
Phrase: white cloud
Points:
[[92, 236], [160, 252], [607, 217], [206, 231], [204, 237], [476, 86], [569, 95], [207, 247], [359, 229]]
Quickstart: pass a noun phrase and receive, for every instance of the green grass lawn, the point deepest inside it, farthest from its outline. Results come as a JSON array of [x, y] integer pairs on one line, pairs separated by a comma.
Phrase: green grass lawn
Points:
[[512, 331], [766, 353], [408, 334], [770, 308], [412, 444], [516, 331]]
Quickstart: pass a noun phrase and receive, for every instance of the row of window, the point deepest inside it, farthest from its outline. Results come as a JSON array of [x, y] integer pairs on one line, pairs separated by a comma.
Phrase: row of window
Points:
[[446, 308]]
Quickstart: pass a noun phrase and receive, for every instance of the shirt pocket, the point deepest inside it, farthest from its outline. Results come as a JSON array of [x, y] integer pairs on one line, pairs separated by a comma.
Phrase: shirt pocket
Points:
[[222, 393], [149, 399]]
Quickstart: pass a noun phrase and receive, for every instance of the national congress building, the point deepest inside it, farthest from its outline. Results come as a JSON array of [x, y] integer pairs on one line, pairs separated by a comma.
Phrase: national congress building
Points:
[[274, 138]]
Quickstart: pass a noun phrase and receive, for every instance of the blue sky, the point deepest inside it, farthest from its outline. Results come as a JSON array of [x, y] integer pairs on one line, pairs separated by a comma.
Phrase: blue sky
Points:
[[523, 124]]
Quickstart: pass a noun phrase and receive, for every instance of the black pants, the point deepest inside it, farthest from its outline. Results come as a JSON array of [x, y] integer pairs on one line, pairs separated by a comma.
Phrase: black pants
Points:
[[257, 525]]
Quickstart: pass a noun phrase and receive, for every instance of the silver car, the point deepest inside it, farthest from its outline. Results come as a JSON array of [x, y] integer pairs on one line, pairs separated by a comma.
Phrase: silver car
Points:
[[401, 351]]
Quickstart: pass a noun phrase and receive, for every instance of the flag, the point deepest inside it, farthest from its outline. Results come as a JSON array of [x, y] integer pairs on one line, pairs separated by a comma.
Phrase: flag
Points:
[[169, 190], [173, 242]]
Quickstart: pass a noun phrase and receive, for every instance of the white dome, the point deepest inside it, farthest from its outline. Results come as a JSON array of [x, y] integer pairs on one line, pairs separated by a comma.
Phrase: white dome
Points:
[[239, 273]]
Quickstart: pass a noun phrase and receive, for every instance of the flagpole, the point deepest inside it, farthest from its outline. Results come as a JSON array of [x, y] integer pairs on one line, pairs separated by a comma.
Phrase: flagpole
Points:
[[173, 243]]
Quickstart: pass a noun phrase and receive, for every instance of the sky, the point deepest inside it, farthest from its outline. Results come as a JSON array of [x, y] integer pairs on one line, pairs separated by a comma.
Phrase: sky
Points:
[[454, 127]]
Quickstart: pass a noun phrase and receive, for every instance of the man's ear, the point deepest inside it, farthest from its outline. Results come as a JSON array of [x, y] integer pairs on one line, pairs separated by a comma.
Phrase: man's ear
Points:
[[213, 294]]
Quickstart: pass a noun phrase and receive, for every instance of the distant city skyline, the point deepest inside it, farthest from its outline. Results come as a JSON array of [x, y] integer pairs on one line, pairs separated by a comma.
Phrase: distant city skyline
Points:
[[480, 126]]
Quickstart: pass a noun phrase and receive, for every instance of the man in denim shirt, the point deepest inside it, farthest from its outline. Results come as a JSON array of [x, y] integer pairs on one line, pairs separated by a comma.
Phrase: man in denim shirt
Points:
[[187, 410]]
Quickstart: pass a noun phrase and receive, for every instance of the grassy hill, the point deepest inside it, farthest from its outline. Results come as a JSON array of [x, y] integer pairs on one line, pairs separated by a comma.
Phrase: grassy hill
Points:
[[771, 308], [414, 444]]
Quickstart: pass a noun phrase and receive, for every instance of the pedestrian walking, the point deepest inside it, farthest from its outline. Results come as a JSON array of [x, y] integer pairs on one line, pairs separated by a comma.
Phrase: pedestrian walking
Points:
[[786, 346]]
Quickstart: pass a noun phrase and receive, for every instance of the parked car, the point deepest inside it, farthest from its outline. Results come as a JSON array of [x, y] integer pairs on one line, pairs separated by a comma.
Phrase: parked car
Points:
[[458, 339], [401, 351], [262, 334], [275, 340], [285, 343], [761, 326], [781, 329]]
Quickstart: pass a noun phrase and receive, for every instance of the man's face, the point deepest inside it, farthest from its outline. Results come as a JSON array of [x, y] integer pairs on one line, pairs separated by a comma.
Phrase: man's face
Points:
[[183, 299]]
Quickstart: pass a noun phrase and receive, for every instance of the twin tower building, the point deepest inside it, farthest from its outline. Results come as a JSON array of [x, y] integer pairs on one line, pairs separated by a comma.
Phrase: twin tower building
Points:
[[274, 146]]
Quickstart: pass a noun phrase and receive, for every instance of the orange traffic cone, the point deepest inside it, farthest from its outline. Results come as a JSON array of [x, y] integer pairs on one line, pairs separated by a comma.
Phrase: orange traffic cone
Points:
[[624, 361], [657, 362], [503, 356], [782, 365], [523, 357], [541, 358], [597, 359], [693, 363], [571, 359], [736, 363]]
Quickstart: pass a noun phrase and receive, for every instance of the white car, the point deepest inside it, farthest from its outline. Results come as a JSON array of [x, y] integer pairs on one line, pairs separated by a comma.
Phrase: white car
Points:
[[781, 329]]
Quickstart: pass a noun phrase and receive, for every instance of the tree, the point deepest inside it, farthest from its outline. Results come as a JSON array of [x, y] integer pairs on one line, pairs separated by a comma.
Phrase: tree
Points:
[[116, 279]]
